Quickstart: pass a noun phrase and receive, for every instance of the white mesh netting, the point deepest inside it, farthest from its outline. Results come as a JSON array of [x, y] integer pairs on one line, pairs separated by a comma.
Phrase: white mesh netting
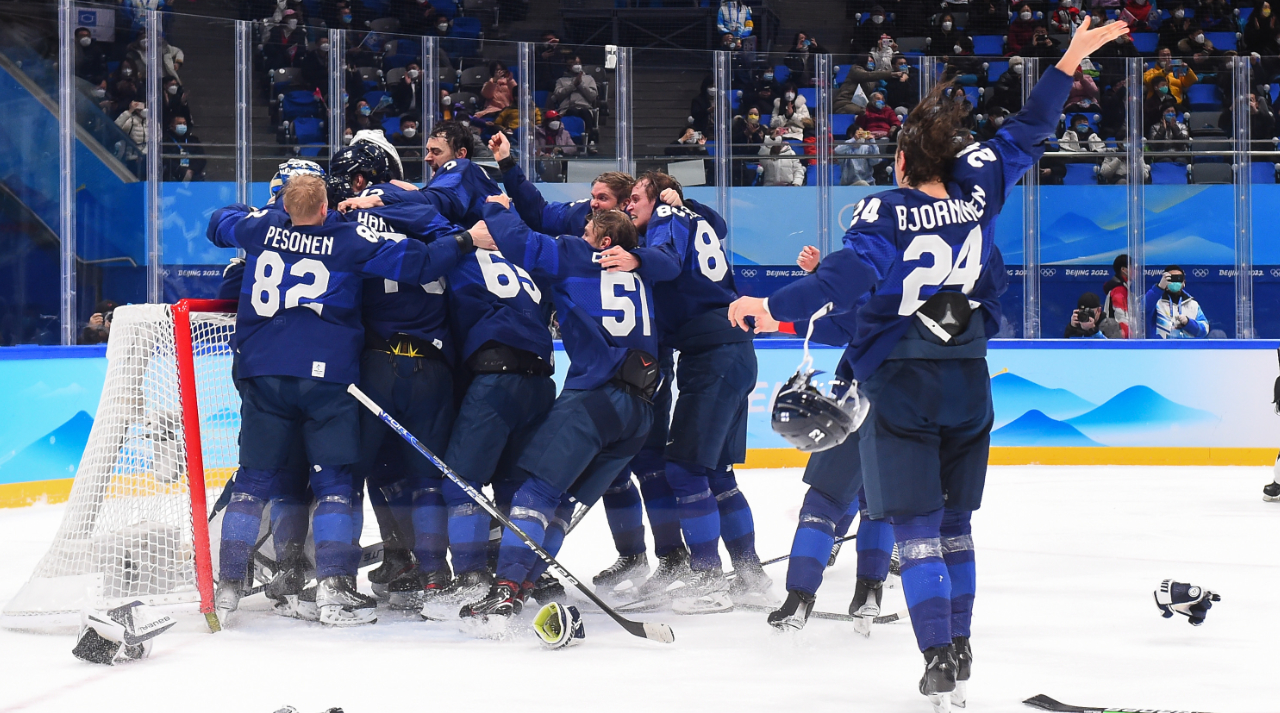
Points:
[[127, 533]]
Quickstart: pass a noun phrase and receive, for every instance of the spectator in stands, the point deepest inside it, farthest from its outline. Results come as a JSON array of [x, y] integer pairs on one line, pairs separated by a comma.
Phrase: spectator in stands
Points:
[[1121, 46], [748, 136], [987, 17], [1169, 135], [406, 93], [1200, 49], [286, 43], [863, 76], [315, 66], [91, 59], [1176, 75], [180, 149], [360, 117], [341, 15], [416, 17], [133, 122], [800, 59], [171, 57], [1141, 12], [1084, 95], [1262, 123], [729, 43], [858, 171], [879, 119], [1088, 321], [576, 95], [1171, 312], [689, 143], [788, 118], [1216, 15], [702, 108], [759, 97], [1006, 93], [1042, 45], [553, 57], [442, 27], [866, 36], [902, 90], [174, 101], [1079, 138], [1261, 29], [734, 19], [553, 139], [1021, 31], [124, 87], [944, 35], [1179, 25], [962, 66], [98, 330], [498, 92], [883, 52], [779, 165], [408, 143], [1065, 18], [1115, 303]]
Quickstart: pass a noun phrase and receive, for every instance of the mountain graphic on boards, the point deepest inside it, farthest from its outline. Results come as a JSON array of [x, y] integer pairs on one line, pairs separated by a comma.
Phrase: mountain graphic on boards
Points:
[[54, 455], [1014, 396], [1033, 428]]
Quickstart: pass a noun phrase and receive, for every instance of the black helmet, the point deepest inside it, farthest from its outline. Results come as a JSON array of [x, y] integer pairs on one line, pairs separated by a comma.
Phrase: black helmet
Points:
[[813, 421], [362, 159]]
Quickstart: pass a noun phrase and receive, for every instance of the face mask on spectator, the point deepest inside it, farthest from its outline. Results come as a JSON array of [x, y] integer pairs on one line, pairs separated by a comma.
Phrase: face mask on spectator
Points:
[[291, 24], [553, 125], [142, 112], [789, 96], [99, 92], [1170, 116], [443, 27], [576, 69], [466, 123], [877, 19], [346, 138], [1082, 129], [1199, 39], [997, 120], [871, 65], [365, 110], [1025, 14], [1017, 69], [410, 132], [84, 41], [711, 91], [768, 76], [753, 119], [1179, 14], [1266, 12], [900, 68], [446, 100], [346, 17], [180, 129], [1175, 287], [413, 74], [1163, 89], [957, 49], [946, 27], [324, 47], [879, 104], [126, 72], [172, 89]]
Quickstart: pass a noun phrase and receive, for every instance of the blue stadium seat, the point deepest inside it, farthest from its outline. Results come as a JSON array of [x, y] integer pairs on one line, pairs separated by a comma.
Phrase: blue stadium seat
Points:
[[1245, 12], [1145, 42], [811, 98], [1222, 41], [1262, 172], [540, 98], [842, 72], [988, 45], [1203, 97], [374, 97], [466, 27], [1081, 174], [1275, 92], [1167, 173], [840, 124], [390, 125], [995, 69], [781, 73], [975, 97], [811, 175], [448, 8], [309, 130], [575, 126], [299, 103]]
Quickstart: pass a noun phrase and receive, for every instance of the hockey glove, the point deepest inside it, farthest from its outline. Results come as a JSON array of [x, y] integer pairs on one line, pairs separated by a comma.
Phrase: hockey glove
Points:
[[1186, 599], [121, 634], [558, 626]]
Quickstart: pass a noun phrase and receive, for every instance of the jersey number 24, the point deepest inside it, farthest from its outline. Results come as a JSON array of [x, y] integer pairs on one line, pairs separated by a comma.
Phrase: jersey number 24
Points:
[[963, 272]]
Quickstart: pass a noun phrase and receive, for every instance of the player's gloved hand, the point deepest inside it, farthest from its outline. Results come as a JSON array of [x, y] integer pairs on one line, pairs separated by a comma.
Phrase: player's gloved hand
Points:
[[671, 197], [1186, 599]]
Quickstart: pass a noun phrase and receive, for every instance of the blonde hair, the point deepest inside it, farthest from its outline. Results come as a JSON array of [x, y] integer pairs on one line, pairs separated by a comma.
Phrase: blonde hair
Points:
[[618, 183], [617, 226], [304, 196]]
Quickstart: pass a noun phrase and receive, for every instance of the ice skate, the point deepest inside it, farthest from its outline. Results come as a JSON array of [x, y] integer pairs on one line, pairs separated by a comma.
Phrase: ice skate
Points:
[[653, 594], [404, 593], [545, 590], [964, 661], [633, 568], [466, 588], [750, 585], [340, 604], [939, 680], [397, 563], [286, 592], [433, 585], [503, 600], [866, 604], [226, 600], [1271, 492], [701, 591], [794, 612]]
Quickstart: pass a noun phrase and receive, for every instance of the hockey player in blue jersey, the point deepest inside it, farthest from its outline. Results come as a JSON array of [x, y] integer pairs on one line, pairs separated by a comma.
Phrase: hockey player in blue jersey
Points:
[[298, 339], [602, 417], [926, 253], [407, 365], [715, 374]]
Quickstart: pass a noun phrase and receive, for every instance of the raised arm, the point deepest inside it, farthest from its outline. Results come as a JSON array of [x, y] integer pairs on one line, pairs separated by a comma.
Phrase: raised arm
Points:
[[222, 223], [418, 220], [538, 253], [411, 261]]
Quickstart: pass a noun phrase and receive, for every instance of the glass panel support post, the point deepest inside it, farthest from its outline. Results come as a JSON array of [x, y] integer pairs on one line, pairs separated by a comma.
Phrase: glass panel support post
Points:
[[155, 77], [724, 153], [430, 96], [1136, 203], [1244, 197], [67, 170], [1030, 225], [622, 115], [337, 78], [244, 112], [824, 71], [527, 145]]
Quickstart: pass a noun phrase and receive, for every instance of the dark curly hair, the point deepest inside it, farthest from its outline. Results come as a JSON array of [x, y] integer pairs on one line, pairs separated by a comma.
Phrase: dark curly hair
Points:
[[457, 136], [933, 134]]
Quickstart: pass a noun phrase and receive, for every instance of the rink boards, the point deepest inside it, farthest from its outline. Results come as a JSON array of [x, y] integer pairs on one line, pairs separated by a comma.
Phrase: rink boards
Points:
[[1057, 402]]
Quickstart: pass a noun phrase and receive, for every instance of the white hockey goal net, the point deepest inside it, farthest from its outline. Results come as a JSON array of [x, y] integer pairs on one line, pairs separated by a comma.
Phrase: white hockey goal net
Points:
[[163, 444]]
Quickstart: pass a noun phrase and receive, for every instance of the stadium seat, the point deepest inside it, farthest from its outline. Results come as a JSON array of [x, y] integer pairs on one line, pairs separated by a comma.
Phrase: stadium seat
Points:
[[811, 174], [974, 94], [540, 98], [390, 125], [908, 45], [1243, 14], [842, 72], [1262, 172], [299, 103], [394, 76], [781, 73], [474, 77], [374, 98], [1203, 120], [811, 98], [388, 25], [995, 69], [1212, 173], [1145, 42], [1081, 174], [840, 124], [575, 126], [1203, 97], [1168, 173], [1222, 41], [448, 8], [988, 45]]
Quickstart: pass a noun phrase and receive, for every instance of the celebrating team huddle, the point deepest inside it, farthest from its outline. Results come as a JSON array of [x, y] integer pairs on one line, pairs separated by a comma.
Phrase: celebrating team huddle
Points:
[[436, 308]]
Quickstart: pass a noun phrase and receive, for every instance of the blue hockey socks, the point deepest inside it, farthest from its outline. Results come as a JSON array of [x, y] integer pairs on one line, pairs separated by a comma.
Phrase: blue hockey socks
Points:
[[957, 552], [811, 547], [623, 509], [468, 529], [699, 513], [659, 501], [532, 509], [925, 581], [875, 544], [554, 540], [430, 527], [737, 528], [333, 524], [243, 521]]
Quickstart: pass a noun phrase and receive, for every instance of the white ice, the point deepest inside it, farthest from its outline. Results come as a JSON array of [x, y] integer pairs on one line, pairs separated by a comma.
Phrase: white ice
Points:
[[1067, 560]]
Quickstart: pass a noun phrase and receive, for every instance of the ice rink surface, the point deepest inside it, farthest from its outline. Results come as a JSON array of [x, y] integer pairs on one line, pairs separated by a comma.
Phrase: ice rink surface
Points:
[[1068, 558]]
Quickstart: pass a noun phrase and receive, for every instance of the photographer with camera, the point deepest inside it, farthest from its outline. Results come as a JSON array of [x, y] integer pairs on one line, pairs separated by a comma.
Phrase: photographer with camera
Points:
[[99, 327], [1171, 312], [1088, 321]]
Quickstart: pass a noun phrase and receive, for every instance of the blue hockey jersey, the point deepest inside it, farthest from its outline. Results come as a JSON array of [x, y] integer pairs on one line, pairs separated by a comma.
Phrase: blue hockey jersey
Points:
[[457, 190], [692, 308], [904, 246], [299, 311], [390, 307], [550, 218], [602, 314]]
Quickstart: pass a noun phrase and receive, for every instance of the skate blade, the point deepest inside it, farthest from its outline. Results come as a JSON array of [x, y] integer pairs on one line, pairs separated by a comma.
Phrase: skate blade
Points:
[[862, 625], [225, 616], [335, 615], [1270, 499], [960, 696], [380, 591], [407, 601], [294, 608], [788, 625], [941, 702], [757, 599], [714, 603], [445, 606]]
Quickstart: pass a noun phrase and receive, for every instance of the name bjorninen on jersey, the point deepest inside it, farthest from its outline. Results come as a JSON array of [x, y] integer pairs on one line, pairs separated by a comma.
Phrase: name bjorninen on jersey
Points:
[[949, 211]]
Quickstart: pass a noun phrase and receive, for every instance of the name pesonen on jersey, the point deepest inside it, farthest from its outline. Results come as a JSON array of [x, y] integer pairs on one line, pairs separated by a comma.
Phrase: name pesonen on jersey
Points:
[[292, 241], [943, 212]]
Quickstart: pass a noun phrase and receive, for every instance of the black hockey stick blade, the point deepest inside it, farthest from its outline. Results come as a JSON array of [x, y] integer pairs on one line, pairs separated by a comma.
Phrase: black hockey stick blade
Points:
[[644, 630], [1046, 703], [832, 616]]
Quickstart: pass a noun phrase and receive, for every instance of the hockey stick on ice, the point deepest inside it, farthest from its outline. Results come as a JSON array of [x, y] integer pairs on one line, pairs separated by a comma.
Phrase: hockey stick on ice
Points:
[[579, 511], [644, 630], [903, 615], [1046, 703]]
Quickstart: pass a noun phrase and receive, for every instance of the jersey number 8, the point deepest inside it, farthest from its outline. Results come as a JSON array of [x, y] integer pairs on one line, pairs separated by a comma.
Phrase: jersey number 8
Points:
[[268, 273], [963, 273], [711, 259]]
